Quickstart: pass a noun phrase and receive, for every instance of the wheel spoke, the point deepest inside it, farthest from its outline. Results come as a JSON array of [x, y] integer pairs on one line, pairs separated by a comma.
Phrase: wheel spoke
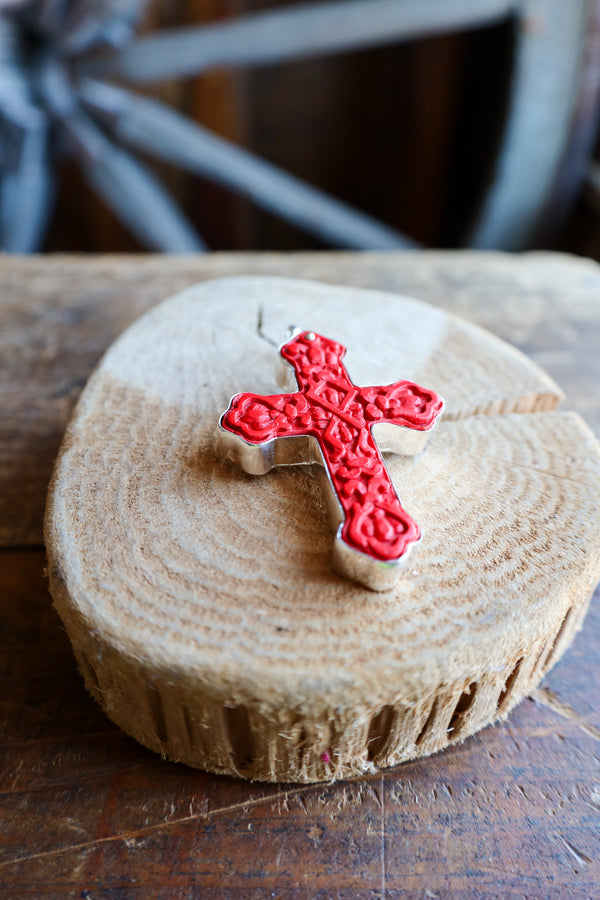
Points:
[[26, 195], [26, 184], [548, 68], [133, 193], [50, 15], [91, 22], [293, 33], [155, 128]]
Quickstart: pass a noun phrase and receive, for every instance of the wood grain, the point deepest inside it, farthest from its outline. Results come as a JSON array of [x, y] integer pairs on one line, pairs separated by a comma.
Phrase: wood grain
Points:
[[201, 603], [513, 810], [87, 812], [61, 313]]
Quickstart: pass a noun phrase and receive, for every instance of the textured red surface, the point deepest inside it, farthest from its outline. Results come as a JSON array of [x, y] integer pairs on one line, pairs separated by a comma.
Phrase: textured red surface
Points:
[[330, 408]]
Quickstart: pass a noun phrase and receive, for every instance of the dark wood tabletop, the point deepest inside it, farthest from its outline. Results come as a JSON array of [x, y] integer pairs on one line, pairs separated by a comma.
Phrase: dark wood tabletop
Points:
[[86, 812]]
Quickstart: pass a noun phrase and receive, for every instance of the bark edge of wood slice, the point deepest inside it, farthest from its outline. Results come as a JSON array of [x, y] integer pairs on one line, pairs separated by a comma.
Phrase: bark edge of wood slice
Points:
[[200, 602]]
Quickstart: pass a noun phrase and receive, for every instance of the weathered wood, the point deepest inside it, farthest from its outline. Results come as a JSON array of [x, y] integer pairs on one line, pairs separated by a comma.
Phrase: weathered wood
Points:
[[285, 35], [60, 314], [514, 810], [201, 604], [86, 811]]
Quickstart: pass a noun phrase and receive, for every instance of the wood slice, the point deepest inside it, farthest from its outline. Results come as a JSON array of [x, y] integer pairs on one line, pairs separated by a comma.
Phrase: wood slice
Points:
[[200, 601]]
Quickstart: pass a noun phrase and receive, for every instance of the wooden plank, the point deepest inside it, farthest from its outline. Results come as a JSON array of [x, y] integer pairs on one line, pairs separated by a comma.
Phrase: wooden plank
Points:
[[59, 314], [86, 812]]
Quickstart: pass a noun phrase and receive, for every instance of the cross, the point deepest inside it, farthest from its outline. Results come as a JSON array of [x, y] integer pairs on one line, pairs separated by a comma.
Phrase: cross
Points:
[[330, 420]]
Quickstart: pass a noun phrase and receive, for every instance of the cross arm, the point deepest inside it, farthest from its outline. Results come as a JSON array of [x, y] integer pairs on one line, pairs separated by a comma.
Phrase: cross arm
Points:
[[250, 428], [401, 415]]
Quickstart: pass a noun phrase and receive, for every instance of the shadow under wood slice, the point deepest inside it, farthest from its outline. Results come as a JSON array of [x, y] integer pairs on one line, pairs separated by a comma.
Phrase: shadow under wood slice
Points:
[[240, 737], [507, 688], [562, 635], [459, 717], [558, 641], [380, 729], [425, 735], [89, 674], [157, 714], [189, 728]]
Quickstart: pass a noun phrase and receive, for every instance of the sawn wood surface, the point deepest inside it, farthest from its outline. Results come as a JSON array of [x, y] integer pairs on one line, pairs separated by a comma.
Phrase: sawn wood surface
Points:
[[86, 812]]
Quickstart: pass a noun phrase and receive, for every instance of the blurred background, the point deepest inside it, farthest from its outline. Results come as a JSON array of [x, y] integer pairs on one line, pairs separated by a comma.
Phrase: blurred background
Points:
[[247, 124]]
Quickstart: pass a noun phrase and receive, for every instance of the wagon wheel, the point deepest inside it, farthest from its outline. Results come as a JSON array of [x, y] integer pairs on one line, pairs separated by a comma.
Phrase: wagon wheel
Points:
[[53, 74]]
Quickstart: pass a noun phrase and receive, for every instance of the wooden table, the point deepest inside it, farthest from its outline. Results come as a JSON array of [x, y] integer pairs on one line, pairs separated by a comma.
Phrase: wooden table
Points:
[[86, 812]]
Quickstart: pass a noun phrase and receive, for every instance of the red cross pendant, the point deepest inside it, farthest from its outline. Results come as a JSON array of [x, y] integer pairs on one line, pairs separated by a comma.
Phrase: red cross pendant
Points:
[[330, 420]]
